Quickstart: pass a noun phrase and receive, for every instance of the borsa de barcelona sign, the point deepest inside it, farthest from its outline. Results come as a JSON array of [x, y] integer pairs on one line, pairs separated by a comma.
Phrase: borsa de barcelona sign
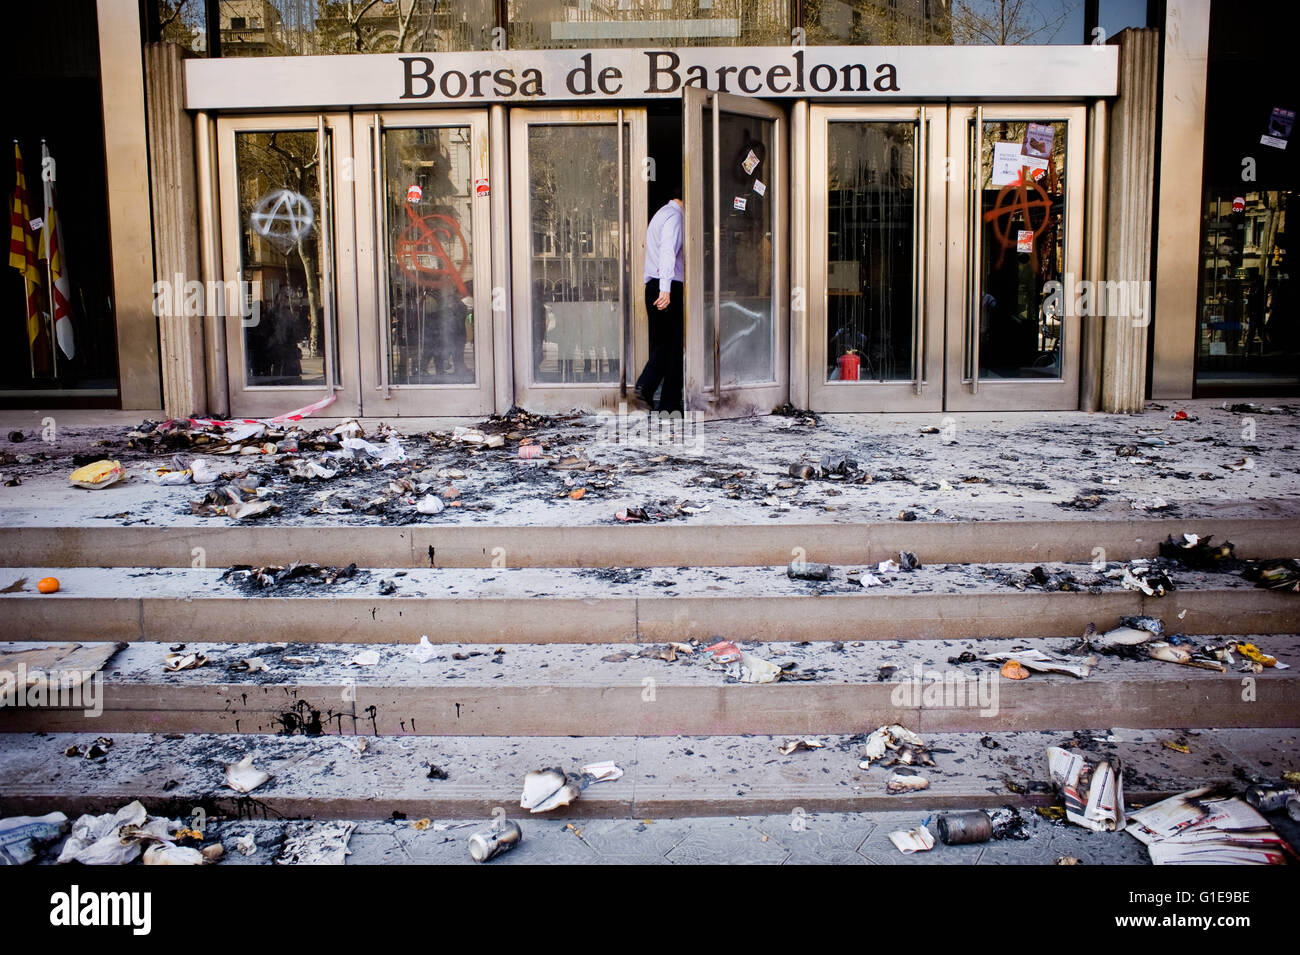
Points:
[[576, 76]]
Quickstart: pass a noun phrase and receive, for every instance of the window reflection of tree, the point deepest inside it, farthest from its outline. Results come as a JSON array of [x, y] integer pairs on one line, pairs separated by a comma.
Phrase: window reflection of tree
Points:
[[428, 314], [574, 191], [267, 162], [1017, 336]]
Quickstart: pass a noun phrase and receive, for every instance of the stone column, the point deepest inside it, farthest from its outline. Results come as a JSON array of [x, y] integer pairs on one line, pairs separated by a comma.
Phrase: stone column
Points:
[[175, 228], [1130, 176], [1182, 151], [126, 169]]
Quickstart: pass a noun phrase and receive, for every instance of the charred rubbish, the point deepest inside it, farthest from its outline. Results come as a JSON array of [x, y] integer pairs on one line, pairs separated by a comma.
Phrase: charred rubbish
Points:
[[259, 580]]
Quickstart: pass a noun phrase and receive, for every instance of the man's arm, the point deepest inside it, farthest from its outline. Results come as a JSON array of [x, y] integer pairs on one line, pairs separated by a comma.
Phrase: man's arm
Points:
[[670, 241]]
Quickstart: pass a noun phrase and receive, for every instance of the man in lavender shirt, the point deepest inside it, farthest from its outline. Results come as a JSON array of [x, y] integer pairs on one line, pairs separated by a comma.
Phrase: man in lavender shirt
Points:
[[664, 272]]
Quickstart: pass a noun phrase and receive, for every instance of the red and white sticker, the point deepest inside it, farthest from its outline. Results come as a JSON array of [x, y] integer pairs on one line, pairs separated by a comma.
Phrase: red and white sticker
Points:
[[739, 203], [482, 187], [1239, 204], [1024, 240], [414, 194]]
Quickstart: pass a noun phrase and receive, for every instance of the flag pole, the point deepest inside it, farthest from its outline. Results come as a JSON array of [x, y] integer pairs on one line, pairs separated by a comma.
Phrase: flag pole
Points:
[[49, 268], [27, 298], [54, 349]]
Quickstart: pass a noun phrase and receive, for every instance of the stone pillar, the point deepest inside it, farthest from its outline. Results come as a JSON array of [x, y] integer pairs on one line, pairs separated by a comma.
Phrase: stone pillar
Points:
[[127, 174], [1130, 176], [1178, 206], [175, 228]]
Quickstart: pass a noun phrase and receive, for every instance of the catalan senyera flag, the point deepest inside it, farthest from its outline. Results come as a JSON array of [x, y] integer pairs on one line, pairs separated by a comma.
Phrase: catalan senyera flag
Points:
[[22, 256], [52, 252]]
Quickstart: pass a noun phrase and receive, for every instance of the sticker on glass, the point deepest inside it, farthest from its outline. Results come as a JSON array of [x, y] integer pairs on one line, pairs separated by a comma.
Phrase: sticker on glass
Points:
[[760, 188], [1006, 163], [1025, 240], [1279, 128], [414, 194], [739, 203], [1038, 141], [751, 163], [481, 187]]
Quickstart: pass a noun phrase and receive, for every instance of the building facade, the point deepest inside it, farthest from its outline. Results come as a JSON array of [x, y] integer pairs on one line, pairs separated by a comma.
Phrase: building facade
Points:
[[420, 208]]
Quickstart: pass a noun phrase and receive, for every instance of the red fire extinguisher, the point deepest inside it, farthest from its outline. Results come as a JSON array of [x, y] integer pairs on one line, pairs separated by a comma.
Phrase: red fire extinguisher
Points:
[[849, 364]]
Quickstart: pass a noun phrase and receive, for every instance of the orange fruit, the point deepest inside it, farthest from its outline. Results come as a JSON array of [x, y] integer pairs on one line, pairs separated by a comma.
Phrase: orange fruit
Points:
[[1012, 670], [48, 585]]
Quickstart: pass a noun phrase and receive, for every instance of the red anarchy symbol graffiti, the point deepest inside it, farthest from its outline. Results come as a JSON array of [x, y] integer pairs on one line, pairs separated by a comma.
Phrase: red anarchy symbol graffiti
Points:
[[433, 252], [1014, 200]]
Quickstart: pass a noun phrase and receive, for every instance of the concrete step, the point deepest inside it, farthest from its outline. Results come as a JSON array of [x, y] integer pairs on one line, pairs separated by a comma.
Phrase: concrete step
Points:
[[324, 777], [785, 838], [1259, 529], [526, 605], [600, 690]]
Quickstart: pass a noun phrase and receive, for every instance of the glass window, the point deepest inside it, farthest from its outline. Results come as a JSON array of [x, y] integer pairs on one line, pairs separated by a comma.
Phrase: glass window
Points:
[[58, 325], [574, 271], [1022, 205], [280, 258], [746, 352], [907, 22], [430, 255], [552, 24], [183, 22], [870, 220], [298, 27], [1248, 329]]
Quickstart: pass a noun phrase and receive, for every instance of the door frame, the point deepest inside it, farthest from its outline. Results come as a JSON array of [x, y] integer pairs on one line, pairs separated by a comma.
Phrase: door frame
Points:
[[924, 391], [378, 396], [635, 352], [737, 400], [339, 304], [963, 264]]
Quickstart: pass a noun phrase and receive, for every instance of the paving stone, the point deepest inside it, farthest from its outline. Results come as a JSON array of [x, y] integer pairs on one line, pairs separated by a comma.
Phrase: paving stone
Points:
[[620, 840], [375, 849], [1097, 848], [877, 847], [734, 841], [449, 846], [838, 857], [547, 843], [1035, 850], [820, 838]]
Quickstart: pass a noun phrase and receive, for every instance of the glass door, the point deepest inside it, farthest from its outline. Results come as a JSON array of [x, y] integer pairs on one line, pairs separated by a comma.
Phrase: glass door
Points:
[[424, 263], [578, 215], [875, 301], [736, 315], [1015, 258], [289, 310]]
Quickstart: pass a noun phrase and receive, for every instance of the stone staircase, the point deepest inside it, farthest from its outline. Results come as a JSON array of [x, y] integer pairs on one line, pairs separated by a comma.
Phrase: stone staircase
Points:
[[545, 652]]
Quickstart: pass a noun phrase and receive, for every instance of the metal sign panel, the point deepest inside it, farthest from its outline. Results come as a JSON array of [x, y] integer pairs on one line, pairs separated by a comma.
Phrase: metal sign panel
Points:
[[576, 76]]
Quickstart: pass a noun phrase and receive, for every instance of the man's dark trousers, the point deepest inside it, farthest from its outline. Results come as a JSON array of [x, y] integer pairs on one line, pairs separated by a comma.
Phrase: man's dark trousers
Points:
[[665, 364]]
